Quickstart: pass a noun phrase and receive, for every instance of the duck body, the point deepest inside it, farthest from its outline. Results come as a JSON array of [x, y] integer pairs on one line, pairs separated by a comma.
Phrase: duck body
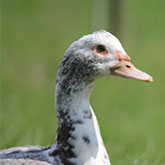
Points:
[[79, 140], [23, 155]]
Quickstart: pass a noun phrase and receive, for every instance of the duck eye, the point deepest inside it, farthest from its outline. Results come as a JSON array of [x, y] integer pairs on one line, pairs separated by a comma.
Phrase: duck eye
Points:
[[100, 48]]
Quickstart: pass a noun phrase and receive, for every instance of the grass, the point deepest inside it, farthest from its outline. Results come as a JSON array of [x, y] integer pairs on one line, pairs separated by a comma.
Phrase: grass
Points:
[[130, 113]]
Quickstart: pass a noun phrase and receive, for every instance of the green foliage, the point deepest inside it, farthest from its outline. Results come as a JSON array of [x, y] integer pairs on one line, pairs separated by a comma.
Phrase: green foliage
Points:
[[36, 34]]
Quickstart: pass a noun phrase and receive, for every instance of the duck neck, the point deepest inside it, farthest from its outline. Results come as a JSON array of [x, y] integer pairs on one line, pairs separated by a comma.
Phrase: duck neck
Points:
[[78, 134]]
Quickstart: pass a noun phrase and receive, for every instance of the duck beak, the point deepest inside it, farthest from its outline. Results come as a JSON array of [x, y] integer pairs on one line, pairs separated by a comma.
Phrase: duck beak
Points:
[[128, 70]]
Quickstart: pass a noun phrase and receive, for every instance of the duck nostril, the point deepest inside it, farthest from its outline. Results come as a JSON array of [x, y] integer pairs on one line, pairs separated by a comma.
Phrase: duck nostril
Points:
[[128, 66]]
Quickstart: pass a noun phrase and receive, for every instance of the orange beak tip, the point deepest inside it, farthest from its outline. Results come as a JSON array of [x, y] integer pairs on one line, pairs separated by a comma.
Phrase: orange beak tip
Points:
[[150, 79]]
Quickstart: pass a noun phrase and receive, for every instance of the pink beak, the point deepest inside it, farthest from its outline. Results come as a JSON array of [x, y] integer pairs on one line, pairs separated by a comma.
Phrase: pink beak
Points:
[[126, 69]]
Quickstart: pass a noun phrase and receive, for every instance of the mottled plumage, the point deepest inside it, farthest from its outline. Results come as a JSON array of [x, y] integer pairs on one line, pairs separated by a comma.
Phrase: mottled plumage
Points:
[[79, 141]]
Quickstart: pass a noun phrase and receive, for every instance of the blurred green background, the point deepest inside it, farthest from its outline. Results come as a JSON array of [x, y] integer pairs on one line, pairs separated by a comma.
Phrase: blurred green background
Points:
[[131, 114]]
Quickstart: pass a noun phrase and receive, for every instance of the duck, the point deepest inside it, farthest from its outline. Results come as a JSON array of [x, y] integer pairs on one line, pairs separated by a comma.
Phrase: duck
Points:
[[79, 140]]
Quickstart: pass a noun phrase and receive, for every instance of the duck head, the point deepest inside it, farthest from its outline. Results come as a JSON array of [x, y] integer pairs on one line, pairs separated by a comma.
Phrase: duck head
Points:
[[99, 54]]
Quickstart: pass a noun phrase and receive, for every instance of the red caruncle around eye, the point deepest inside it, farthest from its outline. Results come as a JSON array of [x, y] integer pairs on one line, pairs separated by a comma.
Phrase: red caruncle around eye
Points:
[[100, 50]]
